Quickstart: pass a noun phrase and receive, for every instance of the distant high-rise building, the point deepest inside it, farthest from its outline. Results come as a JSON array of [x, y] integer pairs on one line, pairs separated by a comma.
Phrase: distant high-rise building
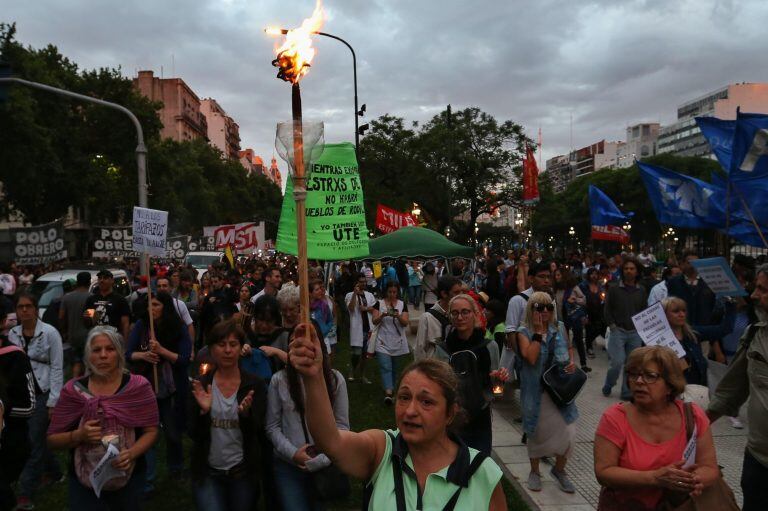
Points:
[[641, 142], [274, 174], [560, 172], [563, 169], [180, 114], [223, 131], [252, 163], [683, 138]]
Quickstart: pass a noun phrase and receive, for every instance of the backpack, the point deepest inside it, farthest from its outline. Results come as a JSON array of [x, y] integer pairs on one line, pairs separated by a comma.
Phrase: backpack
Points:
[[471, 390], [444, 322]]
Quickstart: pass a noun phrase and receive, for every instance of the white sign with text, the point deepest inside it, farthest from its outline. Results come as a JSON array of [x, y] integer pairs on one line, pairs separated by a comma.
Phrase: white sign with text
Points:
[[654, 329], [150, 227]]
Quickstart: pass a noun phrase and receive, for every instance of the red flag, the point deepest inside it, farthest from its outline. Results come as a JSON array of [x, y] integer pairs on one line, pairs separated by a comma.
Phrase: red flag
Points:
[[610, 233], [389, 220], [530, 178]]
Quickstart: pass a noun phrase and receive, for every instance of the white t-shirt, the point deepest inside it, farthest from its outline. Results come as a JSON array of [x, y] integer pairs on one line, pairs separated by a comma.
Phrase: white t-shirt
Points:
[[516, 311], [182, 311]]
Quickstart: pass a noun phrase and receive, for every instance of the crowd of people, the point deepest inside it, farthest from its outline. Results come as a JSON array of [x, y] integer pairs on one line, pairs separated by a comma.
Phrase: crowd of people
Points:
[[224, 361]]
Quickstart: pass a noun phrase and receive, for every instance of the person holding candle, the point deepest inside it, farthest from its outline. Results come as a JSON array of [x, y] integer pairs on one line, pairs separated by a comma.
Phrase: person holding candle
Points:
[[42, 344], [427, 453], [391, 316], [163, 360], [551, 430], [228, 427], [476, 359], [106, 406], [295, 457]]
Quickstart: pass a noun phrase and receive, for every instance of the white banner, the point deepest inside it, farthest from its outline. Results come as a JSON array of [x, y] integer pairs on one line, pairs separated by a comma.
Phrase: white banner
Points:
[[150, 227]]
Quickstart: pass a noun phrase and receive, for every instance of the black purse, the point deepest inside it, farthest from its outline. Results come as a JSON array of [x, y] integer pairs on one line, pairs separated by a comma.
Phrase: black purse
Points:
[[329, 483], [562, 387]]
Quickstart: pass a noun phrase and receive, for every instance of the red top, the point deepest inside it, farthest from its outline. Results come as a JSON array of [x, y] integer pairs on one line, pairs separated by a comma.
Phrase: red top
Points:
[[639, 454]]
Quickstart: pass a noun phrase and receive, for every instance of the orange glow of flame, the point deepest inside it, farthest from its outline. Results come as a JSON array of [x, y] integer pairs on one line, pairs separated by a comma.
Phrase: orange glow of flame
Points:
[[204, 368], [295, 55]]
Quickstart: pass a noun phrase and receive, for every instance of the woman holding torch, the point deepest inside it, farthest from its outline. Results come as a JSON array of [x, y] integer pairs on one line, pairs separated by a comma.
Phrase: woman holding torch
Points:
[[420, 462]]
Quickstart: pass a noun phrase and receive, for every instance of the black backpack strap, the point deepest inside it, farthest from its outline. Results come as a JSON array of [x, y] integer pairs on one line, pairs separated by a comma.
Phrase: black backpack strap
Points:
[[397, 474], [479, 459]]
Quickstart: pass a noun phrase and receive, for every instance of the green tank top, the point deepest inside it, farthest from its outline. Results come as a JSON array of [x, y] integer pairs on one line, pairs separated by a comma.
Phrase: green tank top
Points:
[[440, 485]]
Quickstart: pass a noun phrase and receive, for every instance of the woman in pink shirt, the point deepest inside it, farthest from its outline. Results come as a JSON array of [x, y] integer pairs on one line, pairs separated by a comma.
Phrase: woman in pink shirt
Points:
[[639, 445]]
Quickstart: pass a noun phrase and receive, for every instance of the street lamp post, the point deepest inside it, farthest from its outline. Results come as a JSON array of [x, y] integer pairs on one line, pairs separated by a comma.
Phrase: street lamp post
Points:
[[141, 149], [358, 112]]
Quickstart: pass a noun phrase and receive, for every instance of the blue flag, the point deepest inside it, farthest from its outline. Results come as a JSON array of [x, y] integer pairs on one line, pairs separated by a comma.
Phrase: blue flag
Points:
[[750, 147], [719, 134], [752, 193], [683, 201], [603, 211]]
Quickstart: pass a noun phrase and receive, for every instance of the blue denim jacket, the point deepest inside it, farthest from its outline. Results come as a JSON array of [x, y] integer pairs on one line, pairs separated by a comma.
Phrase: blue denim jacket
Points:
[[530, 379]]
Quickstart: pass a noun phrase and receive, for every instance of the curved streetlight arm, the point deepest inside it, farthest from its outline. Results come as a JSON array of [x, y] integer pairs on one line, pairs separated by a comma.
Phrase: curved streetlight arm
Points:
[[141, 149], [354, 71]]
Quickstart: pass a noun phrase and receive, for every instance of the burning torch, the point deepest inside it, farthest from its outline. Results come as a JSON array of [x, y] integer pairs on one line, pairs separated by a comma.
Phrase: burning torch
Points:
[[298, 139]]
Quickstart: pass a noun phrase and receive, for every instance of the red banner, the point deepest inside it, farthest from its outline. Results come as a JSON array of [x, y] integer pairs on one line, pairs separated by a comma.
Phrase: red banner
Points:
[[530, 178], [389, 220], [610, 233], [243, 238]]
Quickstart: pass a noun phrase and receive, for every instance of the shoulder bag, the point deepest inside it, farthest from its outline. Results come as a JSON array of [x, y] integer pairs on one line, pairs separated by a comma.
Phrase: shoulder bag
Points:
[[562, 387], [717, 496]]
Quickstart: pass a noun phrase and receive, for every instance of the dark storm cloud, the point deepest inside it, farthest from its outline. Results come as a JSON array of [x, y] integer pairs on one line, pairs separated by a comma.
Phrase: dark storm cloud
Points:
[[605, 63]]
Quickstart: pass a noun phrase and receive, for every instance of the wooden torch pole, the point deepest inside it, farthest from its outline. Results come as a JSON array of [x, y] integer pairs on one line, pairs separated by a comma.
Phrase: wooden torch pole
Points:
[[300, 195], [151, 319]]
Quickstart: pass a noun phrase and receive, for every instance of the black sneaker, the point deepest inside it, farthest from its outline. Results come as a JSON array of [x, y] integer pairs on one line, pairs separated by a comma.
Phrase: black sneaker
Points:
[[586, 369], [388, 400]]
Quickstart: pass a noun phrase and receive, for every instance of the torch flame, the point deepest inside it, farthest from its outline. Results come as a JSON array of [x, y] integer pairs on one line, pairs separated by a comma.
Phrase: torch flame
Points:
[[296, 53]]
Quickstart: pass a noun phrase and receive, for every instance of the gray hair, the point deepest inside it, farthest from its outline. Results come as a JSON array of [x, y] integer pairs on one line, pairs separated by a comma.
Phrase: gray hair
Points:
[[763, 268], [114, 337], [288, 295]]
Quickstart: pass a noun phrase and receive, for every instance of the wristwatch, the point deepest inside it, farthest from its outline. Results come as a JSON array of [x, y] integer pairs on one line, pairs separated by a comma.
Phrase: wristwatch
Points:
[[536, 338]]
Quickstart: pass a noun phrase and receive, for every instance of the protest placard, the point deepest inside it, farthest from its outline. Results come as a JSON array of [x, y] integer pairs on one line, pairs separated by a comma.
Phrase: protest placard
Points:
[[113, 241], [39, 244], [654, 329], [718, 276], [150, 227], [335, 213]]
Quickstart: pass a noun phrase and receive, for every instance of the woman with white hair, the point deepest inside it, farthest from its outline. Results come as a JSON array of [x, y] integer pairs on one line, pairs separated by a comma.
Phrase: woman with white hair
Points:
[[108, 408], [551, 430]]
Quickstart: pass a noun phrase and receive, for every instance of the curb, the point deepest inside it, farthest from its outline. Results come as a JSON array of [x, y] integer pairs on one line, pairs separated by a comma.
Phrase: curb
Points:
[[516, 484]]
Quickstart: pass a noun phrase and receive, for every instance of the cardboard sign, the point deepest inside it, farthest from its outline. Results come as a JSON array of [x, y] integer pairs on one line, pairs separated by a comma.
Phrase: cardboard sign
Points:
[[653, 327], [389, 220], [150, 228], [716, 273], [246, 237], [40, 244], [335, 213]]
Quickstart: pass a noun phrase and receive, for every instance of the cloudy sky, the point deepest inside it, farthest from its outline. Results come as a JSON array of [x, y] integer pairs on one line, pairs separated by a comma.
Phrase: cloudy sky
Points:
[[605, 63]]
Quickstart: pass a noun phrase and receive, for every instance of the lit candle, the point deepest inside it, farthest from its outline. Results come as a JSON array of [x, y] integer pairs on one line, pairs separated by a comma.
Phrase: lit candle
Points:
[[498, 390], [204, 368]]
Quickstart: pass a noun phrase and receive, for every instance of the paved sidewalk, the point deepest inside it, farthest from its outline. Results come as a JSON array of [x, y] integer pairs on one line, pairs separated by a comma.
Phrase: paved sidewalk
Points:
[[508, 449]]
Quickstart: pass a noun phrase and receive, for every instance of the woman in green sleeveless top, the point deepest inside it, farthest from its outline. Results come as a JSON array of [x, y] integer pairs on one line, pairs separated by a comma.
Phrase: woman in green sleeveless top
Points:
[[422, 464]]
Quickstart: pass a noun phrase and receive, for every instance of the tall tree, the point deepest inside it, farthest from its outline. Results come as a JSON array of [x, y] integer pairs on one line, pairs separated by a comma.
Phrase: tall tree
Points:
[[457, 165]]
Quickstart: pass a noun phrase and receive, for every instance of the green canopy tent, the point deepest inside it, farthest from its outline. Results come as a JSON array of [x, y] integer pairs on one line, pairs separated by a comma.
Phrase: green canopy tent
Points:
[[416, 243]]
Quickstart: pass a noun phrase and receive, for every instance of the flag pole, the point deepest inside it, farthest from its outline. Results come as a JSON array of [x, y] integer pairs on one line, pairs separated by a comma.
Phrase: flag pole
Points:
[[751, 216]]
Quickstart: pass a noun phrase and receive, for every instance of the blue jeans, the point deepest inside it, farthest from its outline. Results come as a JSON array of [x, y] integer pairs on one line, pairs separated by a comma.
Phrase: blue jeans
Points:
[[218, 492], [294, 489], [620, 345], [41, 460], [414, 294], [127, 498], [173, 448], [388, 370]]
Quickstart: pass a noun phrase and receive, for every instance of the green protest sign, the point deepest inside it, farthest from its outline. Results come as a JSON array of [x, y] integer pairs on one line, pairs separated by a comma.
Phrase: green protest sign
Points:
[[334, 208]]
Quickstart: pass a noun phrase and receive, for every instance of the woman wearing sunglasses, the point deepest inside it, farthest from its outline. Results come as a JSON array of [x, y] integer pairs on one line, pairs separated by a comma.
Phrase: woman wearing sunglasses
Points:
[[551, 430]]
